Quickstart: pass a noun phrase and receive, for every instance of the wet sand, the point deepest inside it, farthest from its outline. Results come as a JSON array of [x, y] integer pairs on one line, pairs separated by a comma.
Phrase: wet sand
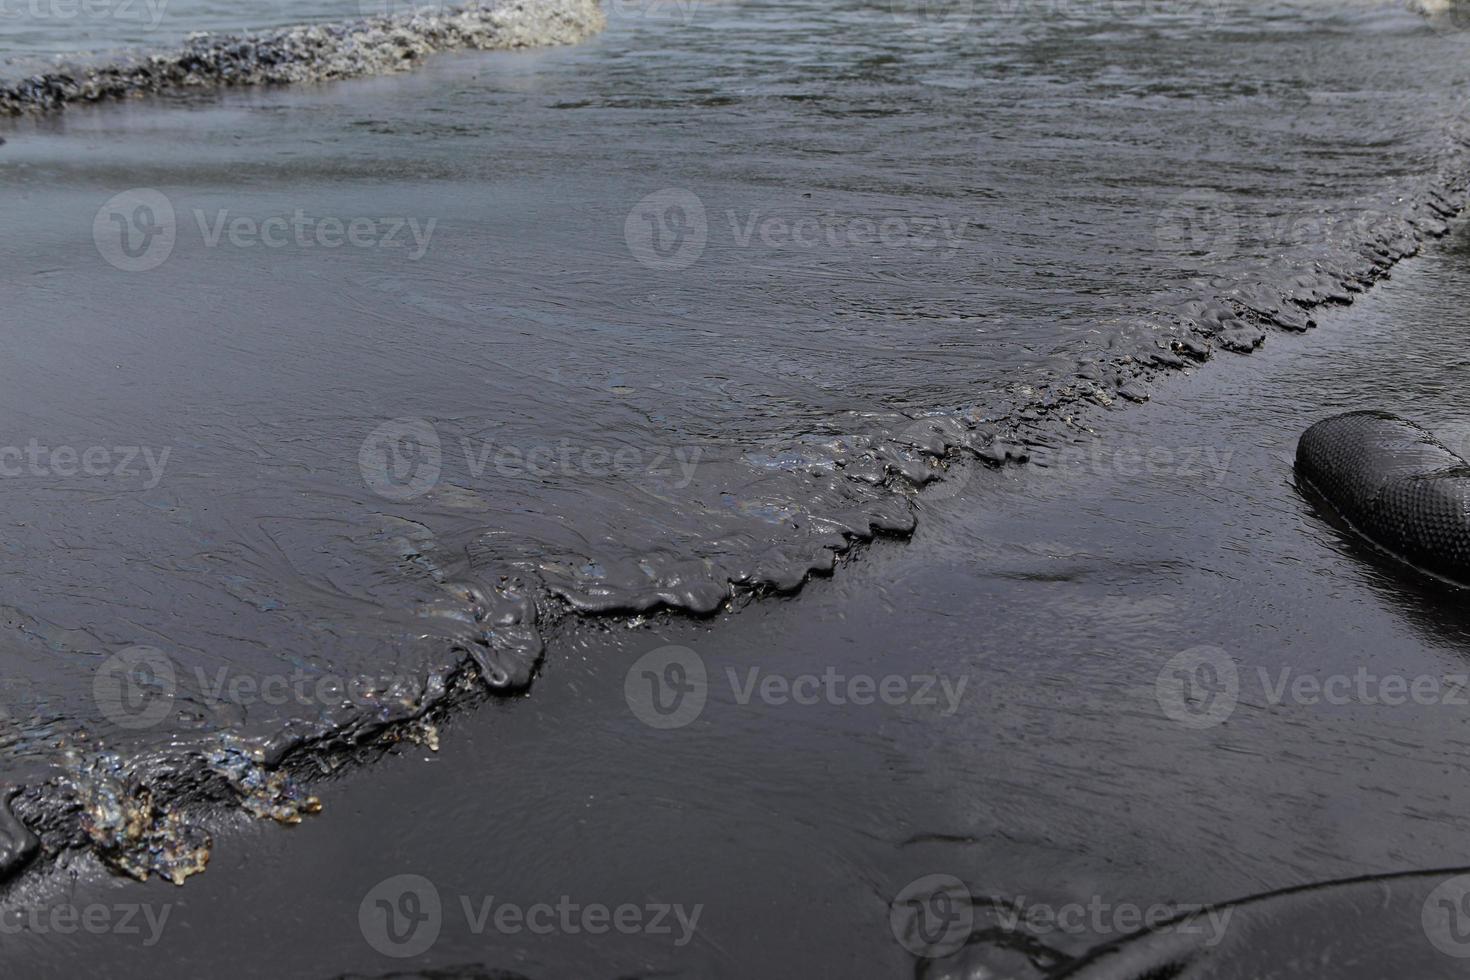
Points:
[[527, 277], [1060, 596]]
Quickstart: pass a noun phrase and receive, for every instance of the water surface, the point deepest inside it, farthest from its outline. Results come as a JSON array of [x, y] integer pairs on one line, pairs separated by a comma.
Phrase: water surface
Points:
[[437, 359]]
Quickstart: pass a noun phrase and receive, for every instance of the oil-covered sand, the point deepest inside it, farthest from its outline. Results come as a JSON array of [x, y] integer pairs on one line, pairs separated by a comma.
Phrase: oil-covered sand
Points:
[[1058, 601], [329, 401], [332, 405]]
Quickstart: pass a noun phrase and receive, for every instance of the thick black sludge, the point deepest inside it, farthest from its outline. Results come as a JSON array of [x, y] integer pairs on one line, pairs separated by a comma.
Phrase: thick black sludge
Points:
[[1294, 932], [833, 494], [826, 387], [1396, 484], [311, 53]]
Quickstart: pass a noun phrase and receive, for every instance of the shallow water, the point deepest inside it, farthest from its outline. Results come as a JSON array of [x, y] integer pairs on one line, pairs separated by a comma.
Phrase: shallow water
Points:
[[615, 326], [1061, 785]]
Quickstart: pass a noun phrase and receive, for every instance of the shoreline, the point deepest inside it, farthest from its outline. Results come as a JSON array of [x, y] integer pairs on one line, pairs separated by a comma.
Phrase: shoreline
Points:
[[899, 457], [569, 793], [308, 53], [258, 773]]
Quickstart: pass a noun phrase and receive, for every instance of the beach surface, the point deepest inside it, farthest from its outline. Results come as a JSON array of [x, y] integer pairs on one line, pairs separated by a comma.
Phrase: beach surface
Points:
[[423, 410], [1055, 601]]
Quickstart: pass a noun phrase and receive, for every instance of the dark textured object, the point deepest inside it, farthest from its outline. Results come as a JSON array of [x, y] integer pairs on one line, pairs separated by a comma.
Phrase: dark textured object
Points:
[[1396, 484], [1409, 924]]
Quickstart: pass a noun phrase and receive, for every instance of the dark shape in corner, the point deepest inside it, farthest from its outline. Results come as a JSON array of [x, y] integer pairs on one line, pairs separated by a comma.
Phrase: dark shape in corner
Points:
[[18, 846], [1413, 924], [1410, 924], [1395, 484]]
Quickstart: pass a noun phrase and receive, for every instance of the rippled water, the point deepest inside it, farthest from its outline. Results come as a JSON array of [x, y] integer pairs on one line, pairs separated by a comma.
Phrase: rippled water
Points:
[[436, 358], [39, 30]]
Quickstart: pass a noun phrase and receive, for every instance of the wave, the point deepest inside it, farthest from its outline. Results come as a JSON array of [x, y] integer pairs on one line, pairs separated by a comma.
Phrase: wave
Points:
[[309, 53]]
